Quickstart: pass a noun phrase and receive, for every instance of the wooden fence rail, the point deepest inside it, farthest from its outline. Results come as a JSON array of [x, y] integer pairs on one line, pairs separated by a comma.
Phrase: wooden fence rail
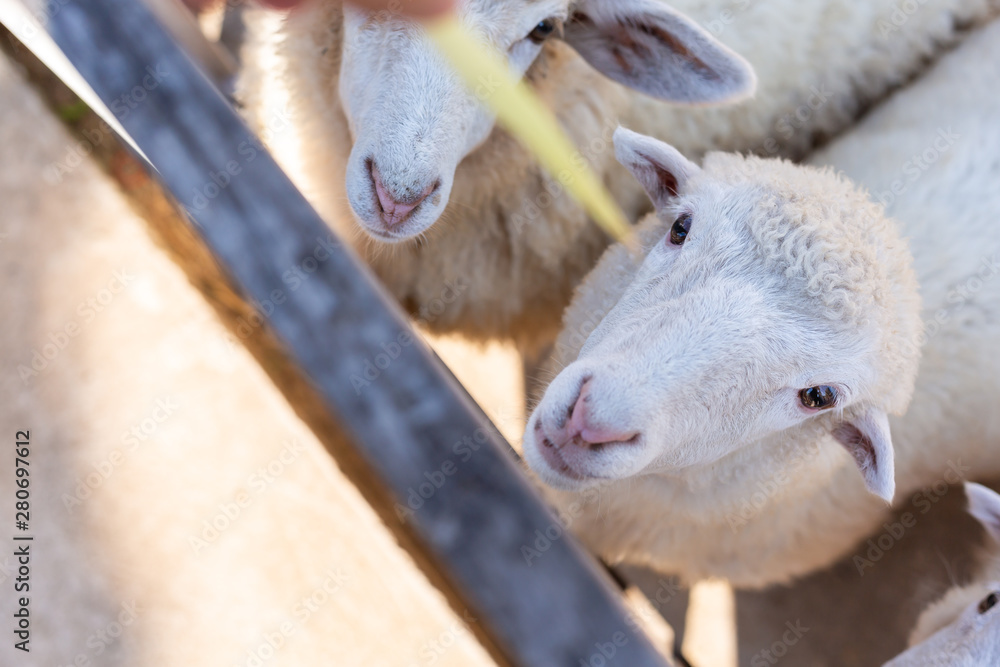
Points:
[[407, 434]]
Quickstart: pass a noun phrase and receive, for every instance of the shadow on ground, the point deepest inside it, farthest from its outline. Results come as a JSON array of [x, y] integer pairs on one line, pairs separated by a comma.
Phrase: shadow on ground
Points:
[[859, 612]]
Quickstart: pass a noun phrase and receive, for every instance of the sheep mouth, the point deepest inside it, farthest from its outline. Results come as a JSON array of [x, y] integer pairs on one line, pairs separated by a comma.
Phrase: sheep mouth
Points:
[[554, 458], [565, 460]]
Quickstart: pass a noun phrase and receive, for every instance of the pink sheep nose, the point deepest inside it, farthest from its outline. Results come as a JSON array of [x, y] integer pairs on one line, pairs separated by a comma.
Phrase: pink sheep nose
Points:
[[581, 423], [396, 211]]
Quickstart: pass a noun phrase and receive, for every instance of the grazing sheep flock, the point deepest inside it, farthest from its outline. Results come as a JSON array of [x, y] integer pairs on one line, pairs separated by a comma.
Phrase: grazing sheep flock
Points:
[[773, 327], [489, 251], [962, 629]]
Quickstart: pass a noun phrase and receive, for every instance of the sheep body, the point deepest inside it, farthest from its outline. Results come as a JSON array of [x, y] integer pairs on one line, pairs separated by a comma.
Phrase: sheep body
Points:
[[505, 256], [791, 503]]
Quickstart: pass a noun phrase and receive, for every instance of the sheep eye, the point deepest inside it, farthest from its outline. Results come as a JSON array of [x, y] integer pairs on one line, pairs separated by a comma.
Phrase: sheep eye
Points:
[[679, 232], [818, 398], [542, 31], [988, 603]]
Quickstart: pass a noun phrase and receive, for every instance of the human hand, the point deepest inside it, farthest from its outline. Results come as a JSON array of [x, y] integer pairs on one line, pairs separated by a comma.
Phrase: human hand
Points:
[[414, 8]]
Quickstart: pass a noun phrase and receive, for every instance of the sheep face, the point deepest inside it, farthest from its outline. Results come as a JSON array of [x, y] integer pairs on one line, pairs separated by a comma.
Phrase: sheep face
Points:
[[969, 636], [779, 297], [412, 121], [963, 627]]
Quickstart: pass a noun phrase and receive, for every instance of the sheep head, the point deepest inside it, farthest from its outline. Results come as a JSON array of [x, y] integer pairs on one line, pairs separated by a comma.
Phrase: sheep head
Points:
[[962, 629], [412, 121], [775, 297]]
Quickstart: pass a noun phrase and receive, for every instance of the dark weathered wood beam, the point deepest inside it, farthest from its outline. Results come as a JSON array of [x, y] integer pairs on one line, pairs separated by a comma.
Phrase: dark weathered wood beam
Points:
[[412, 425]]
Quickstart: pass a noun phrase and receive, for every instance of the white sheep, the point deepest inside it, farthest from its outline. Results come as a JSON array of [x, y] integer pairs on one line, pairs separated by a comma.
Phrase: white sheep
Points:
[[962, 629], [377, 111], [485, 248], [712, 382]]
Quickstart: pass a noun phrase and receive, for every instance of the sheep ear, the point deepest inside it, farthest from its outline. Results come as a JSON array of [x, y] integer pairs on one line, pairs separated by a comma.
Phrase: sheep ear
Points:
[[867, 438], [658, 166], [658, 51], [984, 504]]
